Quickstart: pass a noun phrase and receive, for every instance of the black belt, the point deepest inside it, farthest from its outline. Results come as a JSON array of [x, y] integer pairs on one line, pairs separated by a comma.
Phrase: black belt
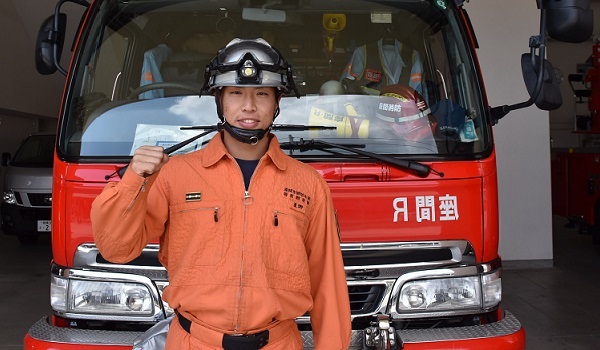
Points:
[[234, 342]]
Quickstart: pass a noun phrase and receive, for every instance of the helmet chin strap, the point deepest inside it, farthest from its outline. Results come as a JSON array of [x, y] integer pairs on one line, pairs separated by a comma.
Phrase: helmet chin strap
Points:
[[249, 136]]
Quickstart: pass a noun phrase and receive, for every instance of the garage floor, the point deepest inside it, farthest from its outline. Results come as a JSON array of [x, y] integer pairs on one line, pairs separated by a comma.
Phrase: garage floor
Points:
[[559, 307]]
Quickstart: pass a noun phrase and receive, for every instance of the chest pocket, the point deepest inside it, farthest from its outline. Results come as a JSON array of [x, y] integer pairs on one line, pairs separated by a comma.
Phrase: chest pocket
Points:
[[196, 233], [283, 243]]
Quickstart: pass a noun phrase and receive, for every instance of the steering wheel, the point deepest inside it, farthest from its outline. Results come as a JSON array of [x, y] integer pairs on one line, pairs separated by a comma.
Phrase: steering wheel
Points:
[[165, 85]]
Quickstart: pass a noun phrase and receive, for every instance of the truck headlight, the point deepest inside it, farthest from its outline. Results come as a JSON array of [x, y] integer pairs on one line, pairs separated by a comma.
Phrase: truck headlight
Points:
[[100, 297], [440, 294], [9, 197], [492, 289], [450, 294]]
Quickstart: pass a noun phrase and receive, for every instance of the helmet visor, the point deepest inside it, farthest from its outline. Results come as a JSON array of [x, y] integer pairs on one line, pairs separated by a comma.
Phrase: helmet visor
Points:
[[250, 63], [237, 51]]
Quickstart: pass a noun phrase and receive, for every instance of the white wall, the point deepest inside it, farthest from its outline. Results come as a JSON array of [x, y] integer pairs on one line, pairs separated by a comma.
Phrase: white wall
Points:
[[25, 94], [29, 102], [19, 23], [522, 138]]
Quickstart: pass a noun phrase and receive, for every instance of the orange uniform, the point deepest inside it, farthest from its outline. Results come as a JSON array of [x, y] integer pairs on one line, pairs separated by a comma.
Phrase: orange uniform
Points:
[[238, 261]]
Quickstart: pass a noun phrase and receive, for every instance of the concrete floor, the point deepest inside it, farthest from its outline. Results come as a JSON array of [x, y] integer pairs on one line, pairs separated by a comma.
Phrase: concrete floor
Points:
[[24, 288], [557, 306]]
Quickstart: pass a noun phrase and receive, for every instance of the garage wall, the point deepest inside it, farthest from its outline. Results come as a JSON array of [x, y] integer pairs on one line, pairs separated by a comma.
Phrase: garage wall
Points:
[[19, 21], [522, 138], [24, 93], [29, 102]]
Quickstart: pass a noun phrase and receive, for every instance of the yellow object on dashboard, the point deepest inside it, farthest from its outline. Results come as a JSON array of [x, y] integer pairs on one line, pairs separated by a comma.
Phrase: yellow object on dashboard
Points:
[[350, 125]]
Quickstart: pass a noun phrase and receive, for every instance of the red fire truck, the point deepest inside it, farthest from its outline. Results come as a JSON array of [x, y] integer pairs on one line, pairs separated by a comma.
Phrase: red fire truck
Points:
[[392, 113]]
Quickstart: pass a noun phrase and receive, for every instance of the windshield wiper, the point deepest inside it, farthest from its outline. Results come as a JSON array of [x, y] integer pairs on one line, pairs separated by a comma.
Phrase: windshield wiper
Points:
[[175, 147], [212, 128], [278, 127], [420, 169]]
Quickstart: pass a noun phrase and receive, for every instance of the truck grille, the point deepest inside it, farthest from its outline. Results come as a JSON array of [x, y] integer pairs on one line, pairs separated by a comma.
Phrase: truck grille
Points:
[[368, 261], [18, 198], [400, 256], [33, 215], [34, 199], [40, 199], [372, 269], [365, 299]]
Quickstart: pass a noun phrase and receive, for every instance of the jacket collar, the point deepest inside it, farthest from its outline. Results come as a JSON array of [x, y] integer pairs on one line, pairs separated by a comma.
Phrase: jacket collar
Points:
[[215, 151]]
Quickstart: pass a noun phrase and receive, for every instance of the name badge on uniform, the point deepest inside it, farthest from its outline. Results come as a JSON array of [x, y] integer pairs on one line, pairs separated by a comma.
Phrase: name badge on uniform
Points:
[[373, 75], [193, 196]]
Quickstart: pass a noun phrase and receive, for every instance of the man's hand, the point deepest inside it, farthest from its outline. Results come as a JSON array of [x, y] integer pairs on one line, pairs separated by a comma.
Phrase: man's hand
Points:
[[147, 160]]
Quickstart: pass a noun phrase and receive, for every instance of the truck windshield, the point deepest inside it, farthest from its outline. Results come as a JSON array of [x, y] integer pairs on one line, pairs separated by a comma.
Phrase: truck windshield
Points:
[[35, 151], [388, 77]]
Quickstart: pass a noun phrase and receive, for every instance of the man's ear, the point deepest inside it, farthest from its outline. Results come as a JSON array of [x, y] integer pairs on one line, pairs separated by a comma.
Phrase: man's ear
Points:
[[278, 96]]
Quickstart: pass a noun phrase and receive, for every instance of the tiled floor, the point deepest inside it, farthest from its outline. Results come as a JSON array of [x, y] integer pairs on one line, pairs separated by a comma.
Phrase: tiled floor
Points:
[[559, 306]]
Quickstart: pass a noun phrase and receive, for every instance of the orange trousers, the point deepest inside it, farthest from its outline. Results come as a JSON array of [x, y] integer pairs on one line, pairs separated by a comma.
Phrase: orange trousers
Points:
[[180, 339]]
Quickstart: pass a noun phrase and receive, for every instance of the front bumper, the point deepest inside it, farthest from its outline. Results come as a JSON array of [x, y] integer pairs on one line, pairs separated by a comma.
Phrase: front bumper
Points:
[[42, 335], [506, 334], [20, 220]]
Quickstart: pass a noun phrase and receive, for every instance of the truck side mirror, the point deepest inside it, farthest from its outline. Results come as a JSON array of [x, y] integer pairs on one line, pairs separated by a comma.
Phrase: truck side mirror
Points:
[[565, 20], [49, 44], [570, 21], [549, 97], [5, 158]]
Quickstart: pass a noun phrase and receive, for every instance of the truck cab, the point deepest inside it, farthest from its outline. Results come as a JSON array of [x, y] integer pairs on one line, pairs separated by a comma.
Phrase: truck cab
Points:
[[389, 107]]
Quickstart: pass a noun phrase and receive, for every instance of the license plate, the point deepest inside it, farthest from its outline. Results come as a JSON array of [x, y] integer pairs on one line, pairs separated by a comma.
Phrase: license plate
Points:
[[44, 225]]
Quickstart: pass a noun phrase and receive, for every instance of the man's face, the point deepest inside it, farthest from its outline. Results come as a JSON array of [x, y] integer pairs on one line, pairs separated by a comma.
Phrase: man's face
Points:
[[249, 107]]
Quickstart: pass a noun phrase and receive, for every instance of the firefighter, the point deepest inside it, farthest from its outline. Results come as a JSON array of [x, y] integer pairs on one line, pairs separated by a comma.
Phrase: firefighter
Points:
[[248, 235], [386, 62]]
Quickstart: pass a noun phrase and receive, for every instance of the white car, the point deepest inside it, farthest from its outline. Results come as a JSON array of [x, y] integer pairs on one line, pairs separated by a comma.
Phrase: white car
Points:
[[27, 197]]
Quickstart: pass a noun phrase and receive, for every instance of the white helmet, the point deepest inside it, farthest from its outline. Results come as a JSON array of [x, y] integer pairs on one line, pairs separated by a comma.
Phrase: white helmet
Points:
[[249, 63]]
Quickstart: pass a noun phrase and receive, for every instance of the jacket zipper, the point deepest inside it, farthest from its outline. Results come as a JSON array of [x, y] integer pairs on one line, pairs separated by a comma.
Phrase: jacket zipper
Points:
[[214, 209], [247, 200], [142, 189], [237, 319], [276, 217]]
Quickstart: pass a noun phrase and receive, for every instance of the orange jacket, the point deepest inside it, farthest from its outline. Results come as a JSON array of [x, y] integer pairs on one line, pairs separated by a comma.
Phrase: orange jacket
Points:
[[237, 260]]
